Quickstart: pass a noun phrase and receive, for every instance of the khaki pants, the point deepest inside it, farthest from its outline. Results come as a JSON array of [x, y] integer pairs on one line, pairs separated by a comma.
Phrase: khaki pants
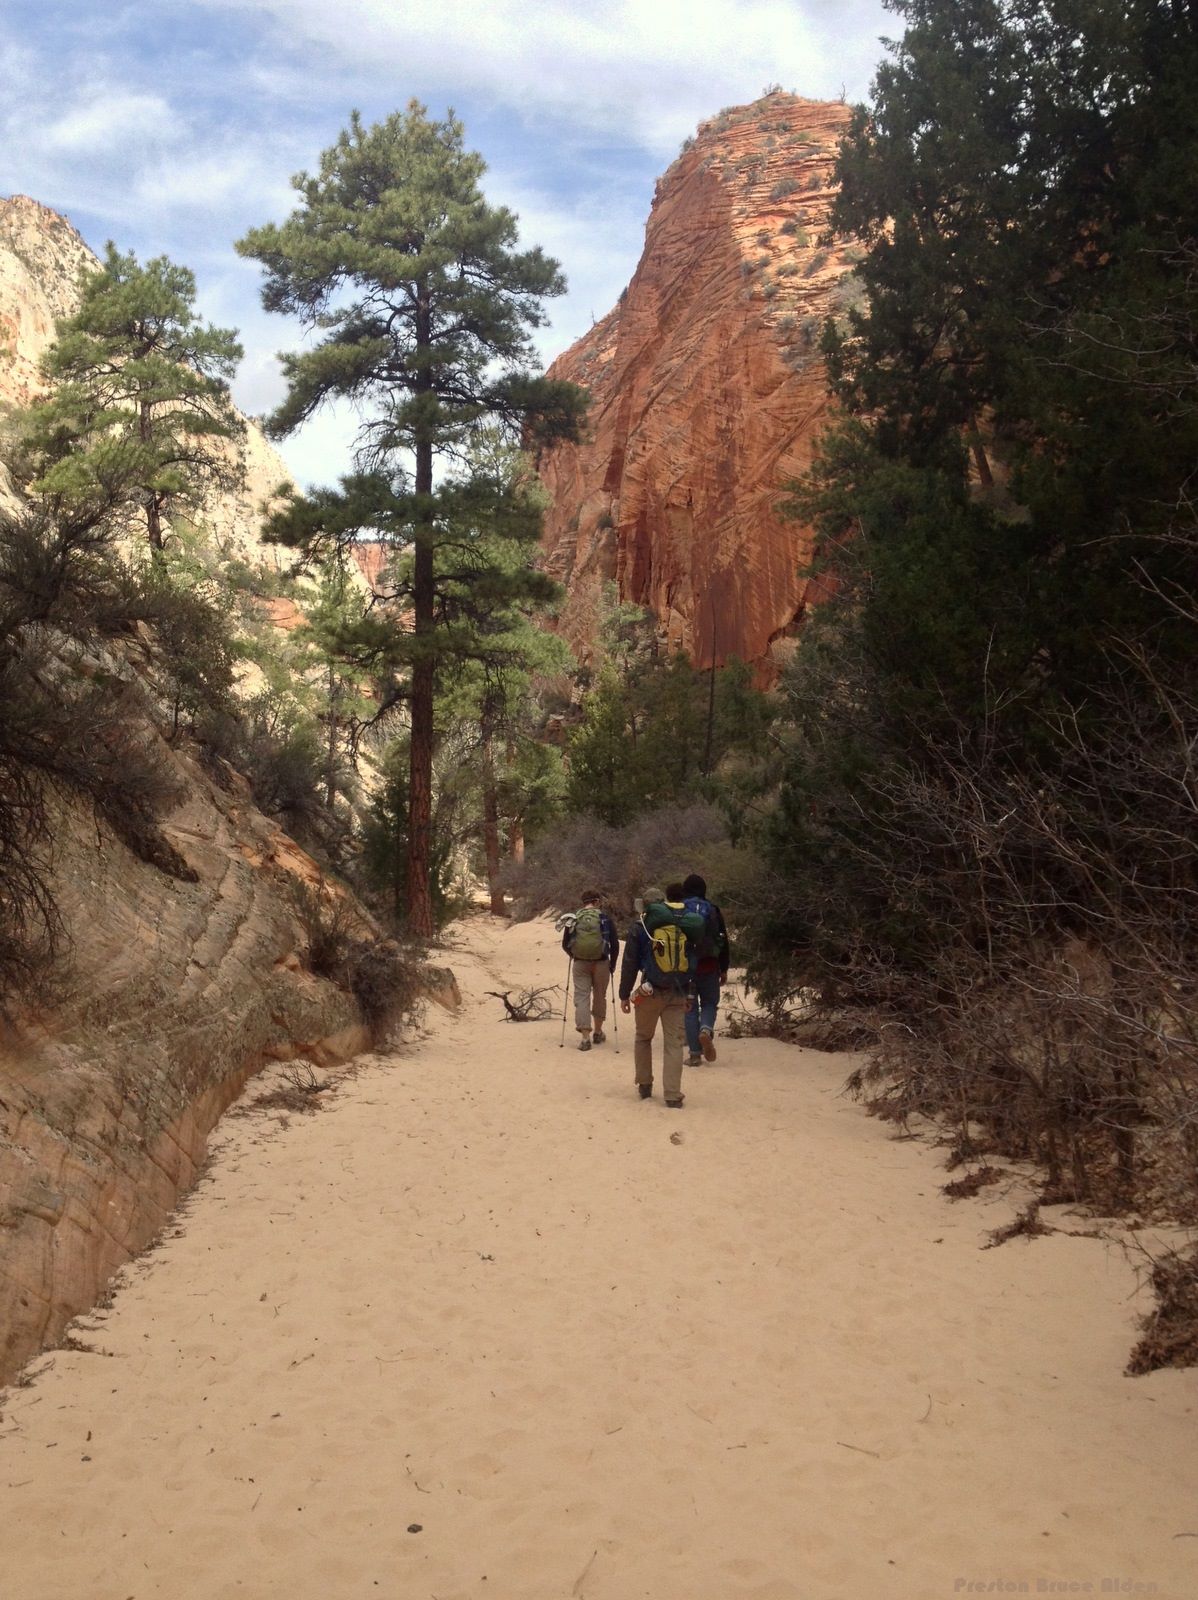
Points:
[[590, 994], [671, 1009]]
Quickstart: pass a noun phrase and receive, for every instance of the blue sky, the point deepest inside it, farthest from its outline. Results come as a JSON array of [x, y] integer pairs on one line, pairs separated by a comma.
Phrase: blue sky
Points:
[[175, 125]]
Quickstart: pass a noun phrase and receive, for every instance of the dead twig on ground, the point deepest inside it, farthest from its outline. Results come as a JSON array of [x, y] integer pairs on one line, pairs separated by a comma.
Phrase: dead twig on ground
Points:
[[530, 1005], [1026, 1225]]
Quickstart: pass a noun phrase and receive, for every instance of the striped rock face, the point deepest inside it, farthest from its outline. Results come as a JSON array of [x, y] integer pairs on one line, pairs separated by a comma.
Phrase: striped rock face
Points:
[[707, 394]]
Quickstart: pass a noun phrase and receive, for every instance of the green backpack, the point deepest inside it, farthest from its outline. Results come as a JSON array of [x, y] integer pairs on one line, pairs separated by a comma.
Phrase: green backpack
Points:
[[588, 943], [672, 933]]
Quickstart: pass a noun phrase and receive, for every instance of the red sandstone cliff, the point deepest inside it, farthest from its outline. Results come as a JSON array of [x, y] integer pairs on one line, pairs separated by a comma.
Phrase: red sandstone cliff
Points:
[[708, 392]]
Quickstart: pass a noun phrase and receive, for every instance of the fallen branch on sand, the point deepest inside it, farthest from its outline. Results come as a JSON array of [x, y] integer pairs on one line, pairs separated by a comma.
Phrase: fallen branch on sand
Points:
[[530, 1005]]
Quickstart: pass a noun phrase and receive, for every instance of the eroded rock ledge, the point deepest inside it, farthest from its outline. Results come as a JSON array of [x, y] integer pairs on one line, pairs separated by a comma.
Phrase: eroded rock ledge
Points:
[[177, 991]]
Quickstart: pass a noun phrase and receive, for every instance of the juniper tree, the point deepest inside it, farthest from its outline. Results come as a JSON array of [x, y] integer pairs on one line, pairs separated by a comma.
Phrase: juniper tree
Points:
[[1006, 504], [139, 415], [425, 307]]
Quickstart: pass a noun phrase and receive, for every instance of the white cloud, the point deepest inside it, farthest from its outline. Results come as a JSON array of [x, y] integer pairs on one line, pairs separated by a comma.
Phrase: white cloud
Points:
[[108, 119], [645, 73], [209, 181]]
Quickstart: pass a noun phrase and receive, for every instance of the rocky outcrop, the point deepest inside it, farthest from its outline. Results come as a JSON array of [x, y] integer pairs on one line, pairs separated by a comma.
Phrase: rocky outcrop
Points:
[[175, 989], [42, 258], [183, 977], [41, 261], [708, 392]]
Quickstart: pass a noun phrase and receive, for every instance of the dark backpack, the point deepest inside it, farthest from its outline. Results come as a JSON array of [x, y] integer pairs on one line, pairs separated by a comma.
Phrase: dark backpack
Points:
[[587, 942], [671, 931], [709, 944]]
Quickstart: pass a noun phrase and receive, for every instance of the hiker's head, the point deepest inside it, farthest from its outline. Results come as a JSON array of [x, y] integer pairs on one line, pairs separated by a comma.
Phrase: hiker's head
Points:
[[673, 891], [592, 897], [648, 896], [695, 885]]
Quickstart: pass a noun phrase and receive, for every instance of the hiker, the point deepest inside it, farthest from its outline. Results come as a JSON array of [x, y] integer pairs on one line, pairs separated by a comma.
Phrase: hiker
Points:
[[658, 952], [711, 971], [591, 942]]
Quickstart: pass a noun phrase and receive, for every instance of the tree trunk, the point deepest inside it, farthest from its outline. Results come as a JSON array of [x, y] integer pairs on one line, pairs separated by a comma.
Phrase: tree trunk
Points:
[[153, 509], [330, 770], [420, 771], [154, 520], [491, 824], [515, 840], [980, 460], [515, 827]]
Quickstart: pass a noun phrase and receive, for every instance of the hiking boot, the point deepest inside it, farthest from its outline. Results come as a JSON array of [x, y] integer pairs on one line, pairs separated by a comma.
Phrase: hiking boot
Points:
[[599, 1036], [676, 1105], [645, 1090], [694, 1059], [707, 1044], [584, 1043]]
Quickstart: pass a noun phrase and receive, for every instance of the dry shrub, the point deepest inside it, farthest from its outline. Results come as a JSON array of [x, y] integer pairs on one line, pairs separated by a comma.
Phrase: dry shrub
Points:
[[1170, 1336], [334, 930], [299, 1091], [530, 1005], [586, 854], [385, 981], [75, 720], [382, 976], [811, 1026]]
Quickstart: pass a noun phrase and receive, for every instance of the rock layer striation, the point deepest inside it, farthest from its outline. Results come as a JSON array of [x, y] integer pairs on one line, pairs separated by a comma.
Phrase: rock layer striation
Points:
[[707, 393], [175, 988]]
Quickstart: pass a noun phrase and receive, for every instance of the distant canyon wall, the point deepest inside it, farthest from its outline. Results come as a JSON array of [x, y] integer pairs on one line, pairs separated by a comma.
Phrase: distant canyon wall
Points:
[[707, 393]]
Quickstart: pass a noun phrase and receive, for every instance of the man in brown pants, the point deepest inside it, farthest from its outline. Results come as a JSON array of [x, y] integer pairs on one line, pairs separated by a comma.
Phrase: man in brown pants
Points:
[[667, 1003]]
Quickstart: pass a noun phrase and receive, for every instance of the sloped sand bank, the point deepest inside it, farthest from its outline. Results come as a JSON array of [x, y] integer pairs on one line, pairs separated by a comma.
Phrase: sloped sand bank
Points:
[[483, 1294]]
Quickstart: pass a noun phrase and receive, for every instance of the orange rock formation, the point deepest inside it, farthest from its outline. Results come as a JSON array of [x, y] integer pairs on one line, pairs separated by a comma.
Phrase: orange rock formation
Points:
[[708, 392]]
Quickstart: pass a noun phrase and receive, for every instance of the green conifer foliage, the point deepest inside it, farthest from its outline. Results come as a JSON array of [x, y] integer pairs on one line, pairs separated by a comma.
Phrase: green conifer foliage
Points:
[[994, 714], [139, 418], [425, 308]]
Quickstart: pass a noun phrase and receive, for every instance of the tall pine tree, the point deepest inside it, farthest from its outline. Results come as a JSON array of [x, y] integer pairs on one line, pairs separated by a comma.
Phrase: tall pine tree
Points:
[[425, 307]]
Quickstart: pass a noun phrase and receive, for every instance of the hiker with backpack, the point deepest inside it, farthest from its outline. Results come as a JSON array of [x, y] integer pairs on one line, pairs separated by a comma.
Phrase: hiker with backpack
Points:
[[591, 942], [658, 952], [711, 971]]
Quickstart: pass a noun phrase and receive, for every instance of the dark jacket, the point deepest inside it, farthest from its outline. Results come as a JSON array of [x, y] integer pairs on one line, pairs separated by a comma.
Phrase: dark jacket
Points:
[[608, 928], [717, 963]]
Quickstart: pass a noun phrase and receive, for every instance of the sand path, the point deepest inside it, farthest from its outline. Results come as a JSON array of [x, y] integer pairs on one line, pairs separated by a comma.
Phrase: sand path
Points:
[[485, 1294]]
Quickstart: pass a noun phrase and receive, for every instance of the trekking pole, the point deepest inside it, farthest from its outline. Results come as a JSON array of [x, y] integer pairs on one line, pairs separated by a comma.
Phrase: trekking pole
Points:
[[615, 1019], [566, 1003]]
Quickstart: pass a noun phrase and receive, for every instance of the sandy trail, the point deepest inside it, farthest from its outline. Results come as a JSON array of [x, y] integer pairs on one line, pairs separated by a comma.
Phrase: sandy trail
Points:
[[484, 1293]]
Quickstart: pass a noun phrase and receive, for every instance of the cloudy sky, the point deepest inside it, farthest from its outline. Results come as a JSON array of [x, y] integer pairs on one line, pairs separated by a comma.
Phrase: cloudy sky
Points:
[[172, 126]]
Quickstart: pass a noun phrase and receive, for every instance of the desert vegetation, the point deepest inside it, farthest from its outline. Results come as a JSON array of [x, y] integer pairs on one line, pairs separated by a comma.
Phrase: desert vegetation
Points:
[[981, 844]]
